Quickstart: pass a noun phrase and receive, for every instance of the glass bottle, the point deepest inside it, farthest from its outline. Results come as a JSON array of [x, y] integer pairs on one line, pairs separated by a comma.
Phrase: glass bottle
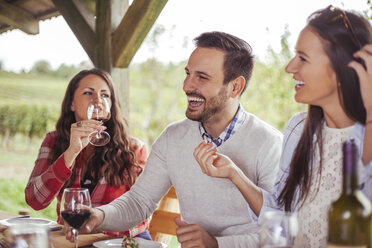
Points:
[[350, 216]]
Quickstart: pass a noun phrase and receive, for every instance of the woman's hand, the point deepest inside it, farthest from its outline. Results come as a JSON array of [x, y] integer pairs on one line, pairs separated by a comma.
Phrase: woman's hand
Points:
[[79, 133], [139, 149], [213, 163], [365, 76], [365, 82]]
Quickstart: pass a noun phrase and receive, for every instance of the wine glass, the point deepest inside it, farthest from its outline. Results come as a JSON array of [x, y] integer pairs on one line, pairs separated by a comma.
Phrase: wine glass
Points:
[[278, 229], [75, 208], [99, 112], [27, 235]]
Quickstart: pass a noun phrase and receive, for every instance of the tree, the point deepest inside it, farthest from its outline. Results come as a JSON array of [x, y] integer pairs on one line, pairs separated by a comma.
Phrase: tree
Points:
[[41, 67]]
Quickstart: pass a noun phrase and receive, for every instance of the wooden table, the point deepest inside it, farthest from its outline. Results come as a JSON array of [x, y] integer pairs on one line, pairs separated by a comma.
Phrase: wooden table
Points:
[[58, 237]]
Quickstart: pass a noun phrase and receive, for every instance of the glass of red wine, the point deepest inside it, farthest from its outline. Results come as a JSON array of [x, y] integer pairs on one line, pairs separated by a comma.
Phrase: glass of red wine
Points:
[[75, 209], [100, 112]]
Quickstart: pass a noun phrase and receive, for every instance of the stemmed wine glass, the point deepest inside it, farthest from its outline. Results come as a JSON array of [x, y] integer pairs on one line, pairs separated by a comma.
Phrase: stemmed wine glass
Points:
[[75, 209], [99, 112], [279, 229]]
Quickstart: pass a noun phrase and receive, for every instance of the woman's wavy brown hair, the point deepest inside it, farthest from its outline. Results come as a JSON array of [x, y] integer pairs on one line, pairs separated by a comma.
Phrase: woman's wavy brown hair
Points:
[[339, 43], [115, 157]]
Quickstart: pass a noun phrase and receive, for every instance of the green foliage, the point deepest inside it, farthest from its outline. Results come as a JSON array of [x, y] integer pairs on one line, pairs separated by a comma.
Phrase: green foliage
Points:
[[29, 105], [13, 199], [27, 89], [29, 120], [66, 72], [41, 67], [270, 94], [156, 97]]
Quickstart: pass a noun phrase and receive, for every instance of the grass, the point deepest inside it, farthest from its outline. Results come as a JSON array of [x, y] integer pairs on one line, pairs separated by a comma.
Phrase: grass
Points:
[[31, 89], [13, 200]]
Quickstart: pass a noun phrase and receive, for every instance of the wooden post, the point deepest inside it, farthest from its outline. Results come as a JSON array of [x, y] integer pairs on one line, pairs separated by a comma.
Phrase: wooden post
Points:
[[103, 34], [120, 75]]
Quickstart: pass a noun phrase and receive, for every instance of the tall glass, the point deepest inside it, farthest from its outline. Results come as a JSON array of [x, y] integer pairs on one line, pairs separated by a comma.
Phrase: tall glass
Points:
[[75, 209], [29, 236], [278, 229]]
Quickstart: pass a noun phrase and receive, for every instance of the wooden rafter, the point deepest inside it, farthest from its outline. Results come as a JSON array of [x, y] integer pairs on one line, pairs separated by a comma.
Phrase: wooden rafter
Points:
[[81, 22], [103, 34], [133, 29], [18, 18]]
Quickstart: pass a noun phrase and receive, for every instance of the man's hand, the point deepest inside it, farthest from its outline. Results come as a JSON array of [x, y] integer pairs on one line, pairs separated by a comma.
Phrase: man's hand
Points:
[[192, 235], [213, 163], [96, 218]]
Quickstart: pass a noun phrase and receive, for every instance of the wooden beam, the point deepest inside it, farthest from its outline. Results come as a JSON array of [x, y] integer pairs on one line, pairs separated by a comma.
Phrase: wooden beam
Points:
[[18, 18], [103, 34], [81, 22], [120, 75], [133, 29]]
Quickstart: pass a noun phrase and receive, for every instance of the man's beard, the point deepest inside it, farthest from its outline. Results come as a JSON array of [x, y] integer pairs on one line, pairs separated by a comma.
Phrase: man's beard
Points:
[[212, 106]]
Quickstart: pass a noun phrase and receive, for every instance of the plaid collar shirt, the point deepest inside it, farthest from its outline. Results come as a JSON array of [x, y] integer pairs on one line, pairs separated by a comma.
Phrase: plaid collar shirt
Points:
[[234, 125]]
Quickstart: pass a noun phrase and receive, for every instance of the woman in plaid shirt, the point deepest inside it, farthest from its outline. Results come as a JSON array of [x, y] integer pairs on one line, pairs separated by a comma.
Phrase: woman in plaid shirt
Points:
[[66, 159]]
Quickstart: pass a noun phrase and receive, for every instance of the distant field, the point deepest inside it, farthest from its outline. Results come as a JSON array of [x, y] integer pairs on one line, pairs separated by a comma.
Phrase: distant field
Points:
[[29, 89]]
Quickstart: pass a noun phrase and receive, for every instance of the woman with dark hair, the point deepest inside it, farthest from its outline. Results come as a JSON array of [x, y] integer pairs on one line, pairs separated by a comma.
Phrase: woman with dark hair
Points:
[[67, 160], [332, 72]]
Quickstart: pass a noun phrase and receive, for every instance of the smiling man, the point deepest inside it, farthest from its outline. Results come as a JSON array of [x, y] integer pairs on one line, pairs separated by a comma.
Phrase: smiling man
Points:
[[214, 212]]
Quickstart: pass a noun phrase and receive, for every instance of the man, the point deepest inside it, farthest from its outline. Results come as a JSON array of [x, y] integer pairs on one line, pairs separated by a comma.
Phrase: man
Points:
[[214, 213]]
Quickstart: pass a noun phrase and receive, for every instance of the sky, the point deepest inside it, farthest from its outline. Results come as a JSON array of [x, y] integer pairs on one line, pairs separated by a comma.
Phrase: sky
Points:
[[259, 22]]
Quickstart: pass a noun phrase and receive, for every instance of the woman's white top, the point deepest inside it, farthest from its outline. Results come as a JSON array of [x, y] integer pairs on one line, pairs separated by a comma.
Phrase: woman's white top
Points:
[[325, 188]]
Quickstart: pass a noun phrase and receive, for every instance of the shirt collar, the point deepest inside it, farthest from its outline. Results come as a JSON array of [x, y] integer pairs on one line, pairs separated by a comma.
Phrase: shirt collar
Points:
[[234, 125]]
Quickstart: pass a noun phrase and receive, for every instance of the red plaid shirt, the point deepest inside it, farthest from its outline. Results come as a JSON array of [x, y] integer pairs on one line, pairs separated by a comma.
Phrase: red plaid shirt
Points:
[[48, 177]]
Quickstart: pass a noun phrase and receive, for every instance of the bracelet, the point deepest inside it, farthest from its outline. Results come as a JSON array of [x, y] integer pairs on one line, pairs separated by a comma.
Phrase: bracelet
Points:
[[368, 122]]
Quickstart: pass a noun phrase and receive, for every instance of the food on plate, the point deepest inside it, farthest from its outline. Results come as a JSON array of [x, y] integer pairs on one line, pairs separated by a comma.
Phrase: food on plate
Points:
[[129, 242], [3, 236]]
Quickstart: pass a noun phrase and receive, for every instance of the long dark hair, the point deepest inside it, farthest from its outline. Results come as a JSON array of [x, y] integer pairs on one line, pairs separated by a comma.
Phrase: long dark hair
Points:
[[342, 33], [115, 157]]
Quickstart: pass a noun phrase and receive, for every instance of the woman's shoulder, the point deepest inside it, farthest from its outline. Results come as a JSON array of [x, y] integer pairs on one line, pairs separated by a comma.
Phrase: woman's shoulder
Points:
[[50, 138], [296, 123], [140, 150]]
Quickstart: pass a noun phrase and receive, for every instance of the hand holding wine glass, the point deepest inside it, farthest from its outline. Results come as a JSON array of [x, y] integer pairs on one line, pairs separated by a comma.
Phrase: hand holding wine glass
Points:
[[100, 112], [75, 208]]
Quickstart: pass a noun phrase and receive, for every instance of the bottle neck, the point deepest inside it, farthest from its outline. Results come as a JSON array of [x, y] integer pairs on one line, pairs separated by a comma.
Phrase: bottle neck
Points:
[[350, 172], [350, 183]]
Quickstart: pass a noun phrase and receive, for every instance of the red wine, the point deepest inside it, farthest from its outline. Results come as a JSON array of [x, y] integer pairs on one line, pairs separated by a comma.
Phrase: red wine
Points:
[[100, 119], [76, 218]]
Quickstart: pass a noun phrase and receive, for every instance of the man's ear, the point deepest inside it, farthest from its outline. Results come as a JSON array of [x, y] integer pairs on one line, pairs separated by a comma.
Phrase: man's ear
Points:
[[237, 86]]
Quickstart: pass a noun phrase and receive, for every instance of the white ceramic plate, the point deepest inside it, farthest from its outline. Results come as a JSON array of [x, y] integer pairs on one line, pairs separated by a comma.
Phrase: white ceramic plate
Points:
[[36, 221], [116, 243]]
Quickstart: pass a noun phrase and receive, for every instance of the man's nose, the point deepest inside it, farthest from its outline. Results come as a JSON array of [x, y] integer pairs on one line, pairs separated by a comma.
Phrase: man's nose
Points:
[[188, 84]]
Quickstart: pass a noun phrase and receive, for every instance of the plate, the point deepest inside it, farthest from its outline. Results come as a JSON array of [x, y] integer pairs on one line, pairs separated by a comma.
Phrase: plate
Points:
[[116, 243], [36, 221]]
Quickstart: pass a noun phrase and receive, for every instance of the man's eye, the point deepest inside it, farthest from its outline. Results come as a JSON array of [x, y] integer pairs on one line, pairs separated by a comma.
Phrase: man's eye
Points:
[[204, 78]]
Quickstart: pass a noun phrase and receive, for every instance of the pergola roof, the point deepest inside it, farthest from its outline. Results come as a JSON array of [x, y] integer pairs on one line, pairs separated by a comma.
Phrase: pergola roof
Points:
[[110, 31], [25, 14]]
